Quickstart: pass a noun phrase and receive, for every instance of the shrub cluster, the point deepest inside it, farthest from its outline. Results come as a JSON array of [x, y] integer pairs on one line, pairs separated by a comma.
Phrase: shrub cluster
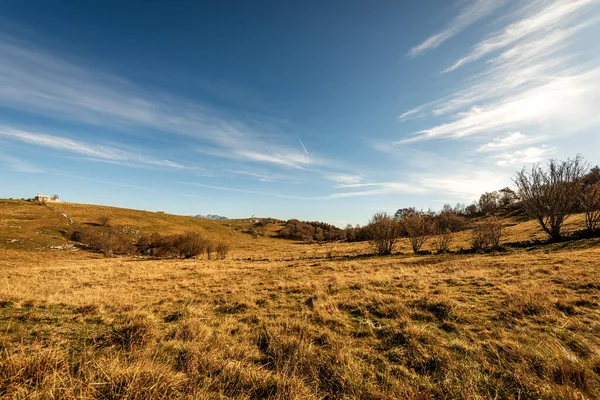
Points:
[[112, 241], [108, 241], [311, 230]]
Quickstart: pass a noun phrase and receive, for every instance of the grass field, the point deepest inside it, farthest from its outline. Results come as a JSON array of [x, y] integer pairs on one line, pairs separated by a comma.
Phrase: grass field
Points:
[[278, 319]]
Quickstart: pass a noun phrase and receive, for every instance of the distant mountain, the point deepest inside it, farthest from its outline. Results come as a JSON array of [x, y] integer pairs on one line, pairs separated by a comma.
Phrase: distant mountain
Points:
[[212, 217]]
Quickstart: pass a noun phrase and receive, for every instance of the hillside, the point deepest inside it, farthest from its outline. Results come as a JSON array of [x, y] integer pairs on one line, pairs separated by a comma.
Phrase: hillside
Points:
[[279, 319], [30, 226]]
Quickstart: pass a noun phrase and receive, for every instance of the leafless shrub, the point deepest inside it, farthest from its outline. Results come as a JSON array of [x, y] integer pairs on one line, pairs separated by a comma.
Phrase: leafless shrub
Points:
[[222, 248], [489, 202], [550, 195], [589, 200], [487, 234], [442, 238], [108, 241], [190, 244], [417, 227], [55, 197], [210, 248], [384, 231]]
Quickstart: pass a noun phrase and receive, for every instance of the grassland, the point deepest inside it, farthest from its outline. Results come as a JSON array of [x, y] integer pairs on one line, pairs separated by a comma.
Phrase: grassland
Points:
[[278, 319]]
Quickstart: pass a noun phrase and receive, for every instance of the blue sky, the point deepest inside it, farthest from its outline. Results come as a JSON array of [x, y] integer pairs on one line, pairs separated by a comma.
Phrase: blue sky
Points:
[[316, 110]]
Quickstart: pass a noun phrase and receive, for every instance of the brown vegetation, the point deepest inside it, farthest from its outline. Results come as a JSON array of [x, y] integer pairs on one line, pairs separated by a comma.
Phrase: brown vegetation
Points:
[[589, 200], [487, 234], [384, 231], [517, 325], [550, 195]]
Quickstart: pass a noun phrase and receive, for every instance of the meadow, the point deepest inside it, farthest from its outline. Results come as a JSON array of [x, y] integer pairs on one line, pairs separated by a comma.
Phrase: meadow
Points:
[[288, 320]]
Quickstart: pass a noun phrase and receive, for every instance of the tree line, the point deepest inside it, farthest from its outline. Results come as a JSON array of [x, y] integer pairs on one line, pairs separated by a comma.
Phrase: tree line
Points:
[[549, 194]]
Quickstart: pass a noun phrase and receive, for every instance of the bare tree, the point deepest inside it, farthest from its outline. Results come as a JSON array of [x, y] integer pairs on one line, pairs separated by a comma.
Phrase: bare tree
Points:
[[417, 227], [384, 230], [507, 196], [589, 200], [488, 202], [55, 197], [550, 195]]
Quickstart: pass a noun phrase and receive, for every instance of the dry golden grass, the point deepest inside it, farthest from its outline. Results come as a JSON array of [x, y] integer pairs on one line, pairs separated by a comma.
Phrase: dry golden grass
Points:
[[521, 324]]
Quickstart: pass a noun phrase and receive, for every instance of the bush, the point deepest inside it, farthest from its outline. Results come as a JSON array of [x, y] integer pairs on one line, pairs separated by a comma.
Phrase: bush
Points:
[[442, 238], [189, 244], [107, 241], [210, 248], [487, 234], [311, 230], [384, 231], [222, 248]]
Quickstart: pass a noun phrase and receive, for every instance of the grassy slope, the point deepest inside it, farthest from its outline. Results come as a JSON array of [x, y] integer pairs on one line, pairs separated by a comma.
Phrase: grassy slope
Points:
[[518, 325]]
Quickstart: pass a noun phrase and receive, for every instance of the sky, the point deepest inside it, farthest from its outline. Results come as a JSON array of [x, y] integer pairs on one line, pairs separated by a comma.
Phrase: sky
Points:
[[315, 110]]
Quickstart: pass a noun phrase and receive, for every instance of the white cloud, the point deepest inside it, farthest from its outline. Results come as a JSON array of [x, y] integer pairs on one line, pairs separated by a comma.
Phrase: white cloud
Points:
[[380, 188], [95, 152], [569, 103], [469, 14], [247, 191], [36, 80], [466, 184], [543, 19], [344, 179], [530, 76], [515, 139], [525, 156], [285, 158]]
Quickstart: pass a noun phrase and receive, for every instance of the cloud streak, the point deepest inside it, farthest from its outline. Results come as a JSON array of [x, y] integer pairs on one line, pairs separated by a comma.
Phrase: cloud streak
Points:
[[35, 80], [534, 82], [468, 15], [544, 20], [94, 152]]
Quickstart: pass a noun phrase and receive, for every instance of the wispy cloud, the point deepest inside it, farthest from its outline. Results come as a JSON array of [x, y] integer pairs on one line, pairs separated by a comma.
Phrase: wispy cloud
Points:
[[535, 80], [545, 17], [18, 165], [379, 188], [94, 152], [247, 191], [516, 139], [344, 179], [112, 183], [472, 12], [36, 80], [526, 156], [464, 184], [565, 102]]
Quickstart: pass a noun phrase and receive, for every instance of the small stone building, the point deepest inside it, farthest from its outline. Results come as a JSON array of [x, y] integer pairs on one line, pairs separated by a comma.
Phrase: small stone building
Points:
[[42, 198]]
